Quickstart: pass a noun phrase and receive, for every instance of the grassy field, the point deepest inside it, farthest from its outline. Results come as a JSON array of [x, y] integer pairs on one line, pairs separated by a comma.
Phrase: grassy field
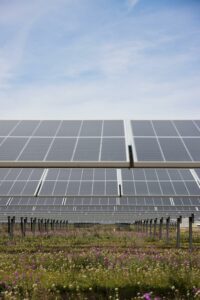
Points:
[[99, 262]]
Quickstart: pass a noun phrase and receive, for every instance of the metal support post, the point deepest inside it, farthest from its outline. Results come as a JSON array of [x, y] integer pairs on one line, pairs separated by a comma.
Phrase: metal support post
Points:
[[9, 227], [191, 221], [12, 226], [31, 222], [150, 227], [167, 229], [22, 226], [160, 228], [154, 228], [178, 232], [25, 222], [147, 221]]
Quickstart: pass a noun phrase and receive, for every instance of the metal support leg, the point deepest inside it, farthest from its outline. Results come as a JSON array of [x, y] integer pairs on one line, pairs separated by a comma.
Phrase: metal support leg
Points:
[[167, 229], [160, 228]]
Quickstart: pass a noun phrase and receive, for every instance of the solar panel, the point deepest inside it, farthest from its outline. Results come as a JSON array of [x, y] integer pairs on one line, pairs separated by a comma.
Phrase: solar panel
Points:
[[158, 182], [73, 209], [83, 143], [19, 182], [80, 182], [100, 143], [166, 143], [98, 182]]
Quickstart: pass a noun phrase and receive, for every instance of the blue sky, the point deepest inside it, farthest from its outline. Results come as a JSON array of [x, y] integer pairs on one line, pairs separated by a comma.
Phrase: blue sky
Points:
[[96, 59]]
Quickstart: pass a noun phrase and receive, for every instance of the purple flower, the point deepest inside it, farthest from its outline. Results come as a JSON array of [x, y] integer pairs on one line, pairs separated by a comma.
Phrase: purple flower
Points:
[[147, 296]]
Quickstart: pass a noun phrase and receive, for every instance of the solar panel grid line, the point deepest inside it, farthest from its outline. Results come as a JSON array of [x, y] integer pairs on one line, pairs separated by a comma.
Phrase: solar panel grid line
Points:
[[79, 188], [197, 124], [25, 183], [53, 139], [28, 140], [158, 181], [9, 133], [171, 182], [183, 141], [158, 141], [54, 186], [196, 177], [77, 140], [146, 182], [184, 182]]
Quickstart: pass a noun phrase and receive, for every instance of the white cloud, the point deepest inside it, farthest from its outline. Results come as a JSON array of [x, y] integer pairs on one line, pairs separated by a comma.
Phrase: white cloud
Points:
[[121, 71]]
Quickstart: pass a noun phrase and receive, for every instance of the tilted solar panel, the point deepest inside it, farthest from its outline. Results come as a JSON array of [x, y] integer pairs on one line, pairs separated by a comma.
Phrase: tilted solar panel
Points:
[[83, 143], [159, 182], [166, 143]]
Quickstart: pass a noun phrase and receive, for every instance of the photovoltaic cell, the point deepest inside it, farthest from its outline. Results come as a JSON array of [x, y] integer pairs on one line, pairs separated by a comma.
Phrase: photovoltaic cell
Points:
[[147, 149], [142, 128], [91, 128], [69, 129], [113, 149], [187, 128], [47, 128], [11, 148], [193, 145], [164, 128], [35, 149], [6, 127], [174, 150], [61, 149], [113, 128], [87, 150], [25, 128]]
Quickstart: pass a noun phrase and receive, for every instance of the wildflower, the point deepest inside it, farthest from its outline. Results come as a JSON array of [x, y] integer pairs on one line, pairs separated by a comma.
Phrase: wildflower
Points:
[[147, 296]]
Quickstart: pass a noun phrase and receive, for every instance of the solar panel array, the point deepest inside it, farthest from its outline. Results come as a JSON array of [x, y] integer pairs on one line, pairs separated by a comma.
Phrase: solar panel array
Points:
[[98, 182], [88, 207], [89, 182]]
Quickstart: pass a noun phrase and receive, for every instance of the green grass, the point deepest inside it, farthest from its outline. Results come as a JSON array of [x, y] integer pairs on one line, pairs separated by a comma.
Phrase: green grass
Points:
[[99, 262]]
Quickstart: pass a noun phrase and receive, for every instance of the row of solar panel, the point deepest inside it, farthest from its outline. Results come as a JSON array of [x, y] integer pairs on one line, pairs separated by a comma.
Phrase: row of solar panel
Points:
[[65, 143], [97, 174], [99, 188], [54, 209], [62, 128], [125, 201], [62, 149], [97, 182], [97, 128]]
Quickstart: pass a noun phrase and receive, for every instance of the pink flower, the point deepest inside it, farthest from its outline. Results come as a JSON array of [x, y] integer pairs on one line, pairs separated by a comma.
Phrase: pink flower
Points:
[[147, 296]]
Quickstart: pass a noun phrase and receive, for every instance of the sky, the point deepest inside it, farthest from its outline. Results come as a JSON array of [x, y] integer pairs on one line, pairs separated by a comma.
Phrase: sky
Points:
[[99, 59]]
